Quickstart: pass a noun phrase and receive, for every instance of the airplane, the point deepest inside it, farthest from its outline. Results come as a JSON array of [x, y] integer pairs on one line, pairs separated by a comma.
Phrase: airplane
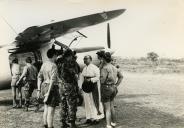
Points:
[[36, 40]]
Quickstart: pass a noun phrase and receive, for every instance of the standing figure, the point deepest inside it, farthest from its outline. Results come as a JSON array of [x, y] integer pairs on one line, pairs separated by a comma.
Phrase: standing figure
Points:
[[110, 79], [15, 70], [91, 86], [48, 86], [29, 76], [69, 74]]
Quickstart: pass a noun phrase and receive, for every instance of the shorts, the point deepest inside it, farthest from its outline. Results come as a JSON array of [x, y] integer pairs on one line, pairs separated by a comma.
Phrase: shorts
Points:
[[29, 87], [54, 97], [14, 81], [108, 93]]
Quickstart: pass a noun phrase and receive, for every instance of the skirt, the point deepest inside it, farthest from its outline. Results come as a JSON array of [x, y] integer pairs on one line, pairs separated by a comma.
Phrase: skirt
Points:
[[54, 97]]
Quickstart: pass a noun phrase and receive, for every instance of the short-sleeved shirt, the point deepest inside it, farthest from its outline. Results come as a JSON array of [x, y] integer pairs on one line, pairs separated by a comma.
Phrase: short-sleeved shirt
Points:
[[30, 72], [15, 71], [48, 72], [108, 74]]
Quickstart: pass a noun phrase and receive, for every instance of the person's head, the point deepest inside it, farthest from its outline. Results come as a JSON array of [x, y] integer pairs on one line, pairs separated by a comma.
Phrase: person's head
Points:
[[68, 55], [15, 61], [107, 57], [52, 54], [100, 54], [28, 60], [87, 59]]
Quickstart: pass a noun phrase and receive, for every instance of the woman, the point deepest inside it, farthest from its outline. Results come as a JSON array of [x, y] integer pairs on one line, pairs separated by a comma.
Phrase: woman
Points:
[[110, 78], [15, 77], [47, 77]]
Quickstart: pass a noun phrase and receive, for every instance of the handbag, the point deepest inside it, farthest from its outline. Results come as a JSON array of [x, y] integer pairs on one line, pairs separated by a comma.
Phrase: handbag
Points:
[[88, 86]]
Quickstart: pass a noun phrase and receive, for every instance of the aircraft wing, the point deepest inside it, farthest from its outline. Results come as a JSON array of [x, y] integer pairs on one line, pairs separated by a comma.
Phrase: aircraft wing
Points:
[[87, 49], [72, 25], [42, 34]]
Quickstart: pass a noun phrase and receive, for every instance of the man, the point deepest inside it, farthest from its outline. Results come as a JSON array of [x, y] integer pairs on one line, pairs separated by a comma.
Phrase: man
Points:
[[110, 78], [15, 70], [69, 73], [93, 106], [100, 58], [48, 86], [29, 76]]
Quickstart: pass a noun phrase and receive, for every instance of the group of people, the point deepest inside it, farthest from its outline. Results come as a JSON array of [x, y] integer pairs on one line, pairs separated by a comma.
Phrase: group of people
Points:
[[60, 82], [27, 79]]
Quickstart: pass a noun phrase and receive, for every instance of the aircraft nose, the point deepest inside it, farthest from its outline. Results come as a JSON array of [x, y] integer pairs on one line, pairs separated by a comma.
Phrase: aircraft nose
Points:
[[5, 74]]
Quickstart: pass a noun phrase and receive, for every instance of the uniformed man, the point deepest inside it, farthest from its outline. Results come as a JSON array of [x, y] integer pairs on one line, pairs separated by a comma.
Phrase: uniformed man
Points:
[[30, 78], [69, 74]]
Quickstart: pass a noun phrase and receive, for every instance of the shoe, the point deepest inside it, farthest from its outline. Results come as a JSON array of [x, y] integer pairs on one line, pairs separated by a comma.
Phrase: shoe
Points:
[[109, 126], [45, 126], [113, 124], [37, 108], [14, 106], [19, 106]]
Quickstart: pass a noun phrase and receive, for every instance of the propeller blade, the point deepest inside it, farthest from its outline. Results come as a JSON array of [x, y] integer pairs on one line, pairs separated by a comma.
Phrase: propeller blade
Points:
[[108, 36], [5, 45]]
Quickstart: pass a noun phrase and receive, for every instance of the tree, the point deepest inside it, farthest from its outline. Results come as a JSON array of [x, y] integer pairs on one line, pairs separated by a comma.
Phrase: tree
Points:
[[153, 57]]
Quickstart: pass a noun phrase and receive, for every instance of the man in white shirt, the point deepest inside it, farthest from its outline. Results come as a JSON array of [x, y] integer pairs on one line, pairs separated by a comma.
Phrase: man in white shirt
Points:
[[93, 105]]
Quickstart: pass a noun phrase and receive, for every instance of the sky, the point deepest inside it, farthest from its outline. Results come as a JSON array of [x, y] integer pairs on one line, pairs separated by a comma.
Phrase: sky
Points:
[[145, 26]]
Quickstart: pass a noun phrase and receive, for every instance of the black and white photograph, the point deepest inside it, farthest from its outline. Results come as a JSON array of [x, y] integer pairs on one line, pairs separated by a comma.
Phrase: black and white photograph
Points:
[[91, 63]]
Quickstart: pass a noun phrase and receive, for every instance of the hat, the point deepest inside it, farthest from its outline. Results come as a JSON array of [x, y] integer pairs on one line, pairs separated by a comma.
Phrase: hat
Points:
[[68, 53], [107, 57]]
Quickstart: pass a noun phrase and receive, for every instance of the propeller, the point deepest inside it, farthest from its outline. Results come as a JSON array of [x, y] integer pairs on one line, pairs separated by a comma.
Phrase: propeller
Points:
[[5, 45], [108, 36]]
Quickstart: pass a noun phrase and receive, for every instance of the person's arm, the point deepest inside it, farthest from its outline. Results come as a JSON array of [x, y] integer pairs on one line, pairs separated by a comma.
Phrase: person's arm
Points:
[[81, 80], [24, 73], [97, 75], [39, 82], [120, 78], [54, 75]]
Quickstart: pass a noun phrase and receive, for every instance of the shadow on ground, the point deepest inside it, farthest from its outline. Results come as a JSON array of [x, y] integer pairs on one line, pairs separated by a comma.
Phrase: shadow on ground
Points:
[[129, 115]]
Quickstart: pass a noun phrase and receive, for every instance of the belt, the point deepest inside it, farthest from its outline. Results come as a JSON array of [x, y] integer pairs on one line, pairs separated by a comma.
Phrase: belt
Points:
[[104, 84]]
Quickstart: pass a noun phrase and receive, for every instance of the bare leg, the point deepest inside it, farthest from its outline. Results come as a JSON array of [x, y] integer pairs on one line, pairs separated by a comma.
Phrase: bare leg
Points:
[[50, 116], [14, 96], [108, 113], [45, 114], [113, 112], [20, 96]]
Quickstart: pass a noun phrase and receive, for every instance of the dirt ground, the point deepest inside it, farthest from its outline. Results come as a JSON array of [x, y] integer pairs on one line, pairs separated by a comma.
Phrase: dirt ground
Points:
[[143, 101]]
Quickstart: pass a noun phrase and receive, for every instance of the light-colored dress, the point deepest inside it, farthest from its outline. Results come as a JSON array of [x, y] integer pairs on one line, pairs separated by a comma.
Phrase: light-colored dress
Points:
[[15, 74], [91, 112], [47, 73]]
